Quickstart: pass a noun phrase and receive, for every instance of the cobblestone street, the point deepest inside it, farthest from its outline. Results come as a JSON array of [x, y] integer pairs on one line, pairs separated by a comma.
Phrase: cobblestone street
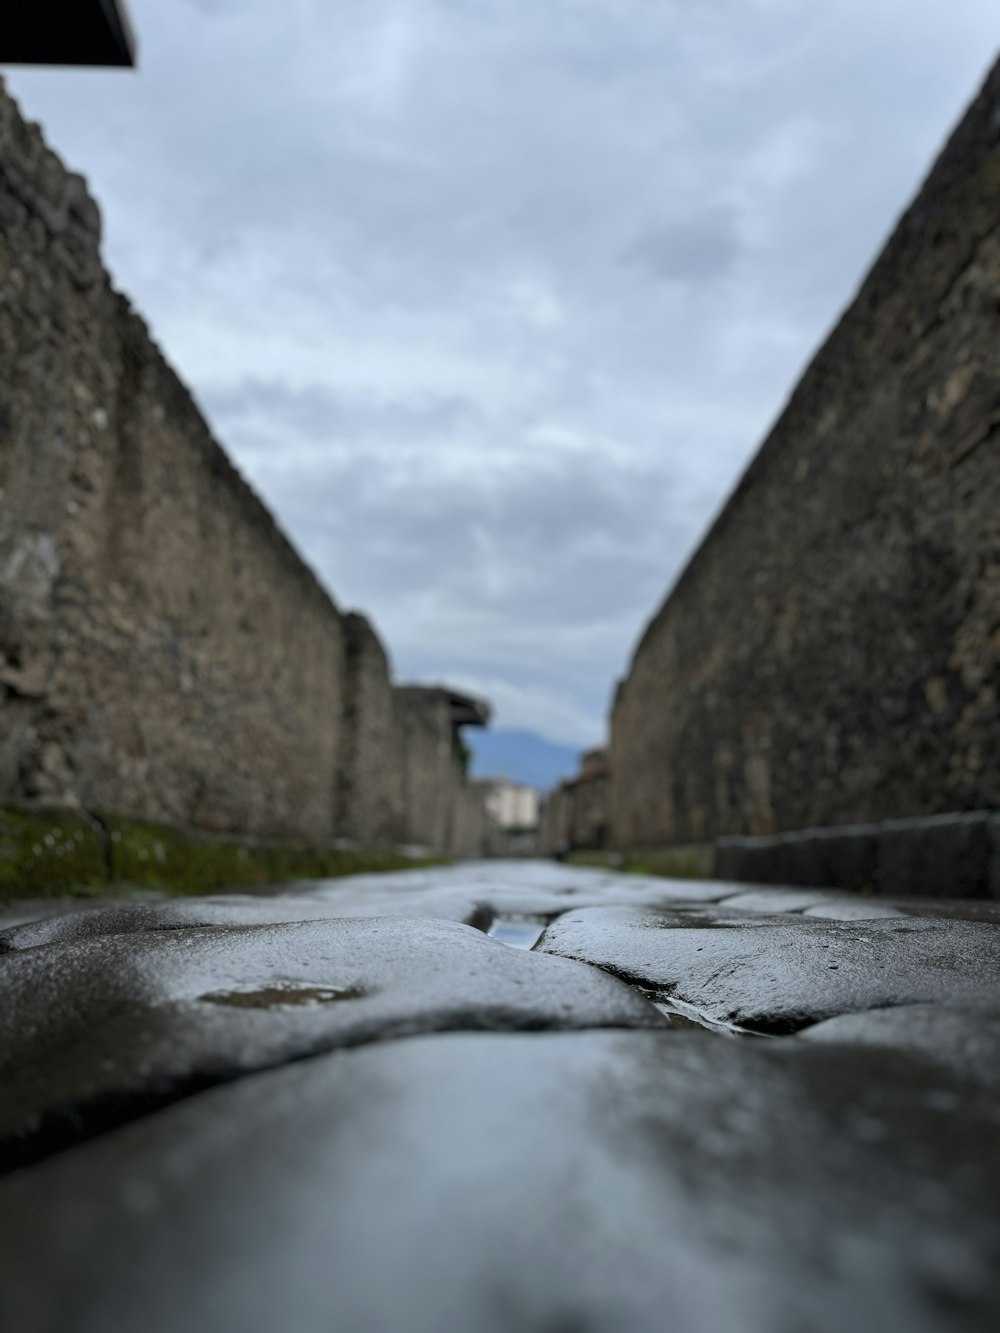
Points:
[[500, 1096]]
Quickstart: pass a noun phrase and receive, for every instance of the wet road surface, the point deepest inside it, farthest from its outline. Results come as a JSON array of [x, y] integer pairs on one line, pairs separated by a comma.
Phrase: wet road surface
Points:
[[511, 1096]]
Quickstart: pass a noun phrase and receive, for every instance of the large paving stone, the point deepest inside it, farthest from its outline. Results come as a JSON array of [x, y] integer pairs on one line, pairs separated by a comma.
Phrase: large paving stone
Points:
[[606, 1183], [854, 909], [547, 888], [770, 901], [110, 918], [777, 974], [94, 1031], [962, 909], [863, 909], [858, 907], [509, 900], [21, 911], [961, 1036], [473, 894]]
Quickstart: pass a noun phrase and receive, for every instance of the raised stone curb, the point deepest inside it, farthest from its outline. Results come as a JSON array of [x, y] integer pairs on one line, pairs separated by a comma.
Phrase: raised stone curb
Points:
[[944, 856]]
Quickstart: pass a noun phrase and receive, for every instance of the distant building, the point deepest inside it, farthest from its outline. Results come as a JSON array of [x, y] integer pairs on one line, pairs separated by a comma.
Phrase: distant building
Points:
[[512, 815], [511, 804]]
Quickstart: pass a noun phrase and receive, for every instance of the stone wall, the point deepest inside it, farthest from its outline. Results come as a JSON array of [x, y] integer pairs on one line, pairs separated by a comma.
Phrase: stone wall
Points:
[[471, 827], [369, 796], [575, 815], [832, 652], [441, 807], [164, 652], [556, 821], [590, 814]]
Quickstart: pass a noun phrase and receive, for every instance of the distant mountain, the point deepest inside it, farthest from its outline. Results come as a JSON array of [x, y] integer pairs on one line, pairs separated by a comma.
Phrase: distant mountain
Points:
[[521, 756]]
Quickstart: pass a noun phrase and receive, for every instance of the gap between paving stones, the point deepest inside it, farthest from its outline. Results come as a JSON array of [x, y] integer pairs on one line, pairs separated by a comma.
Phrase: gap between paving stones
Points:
[[671, 1007]]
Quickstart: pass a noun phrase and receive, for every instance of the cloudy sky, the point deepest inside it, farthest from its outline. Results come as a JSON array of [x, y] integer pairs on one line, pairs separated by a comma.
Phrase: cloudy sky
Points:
[[492, 300]]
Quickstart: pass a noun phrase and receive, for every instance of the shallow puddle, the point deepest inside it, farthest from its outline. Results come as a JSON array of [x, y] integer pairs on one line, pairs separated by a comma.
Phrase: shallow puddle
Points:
[[686, 1016], [284, 995], [519, 932]]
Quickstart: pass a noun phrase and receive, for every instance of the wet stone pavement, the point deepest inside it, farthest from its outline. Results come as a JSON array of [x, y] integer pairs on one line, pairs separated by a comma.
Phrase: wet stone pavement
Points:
[[502, 1097]]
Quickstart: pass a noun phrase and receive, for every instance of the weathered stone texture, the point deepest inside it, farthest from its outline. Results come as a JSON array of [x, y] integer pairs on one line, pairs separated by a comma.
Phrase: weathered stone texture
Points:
[[441, 811], [590, 793], [576, 814], [470, 823], [369, 792], [554, 825], [832, 652]]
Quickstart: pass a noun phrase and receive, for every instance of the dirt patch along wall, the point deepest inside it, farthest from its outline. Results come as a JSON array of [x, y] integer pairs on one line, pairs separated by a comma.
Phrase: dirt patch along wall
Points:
[[832, 652]]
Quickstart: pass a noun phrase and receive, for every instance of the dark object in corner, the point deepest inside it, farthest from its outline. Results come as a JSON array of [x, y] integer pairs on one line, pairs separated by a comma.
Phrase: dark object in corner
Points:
[[66, 32]]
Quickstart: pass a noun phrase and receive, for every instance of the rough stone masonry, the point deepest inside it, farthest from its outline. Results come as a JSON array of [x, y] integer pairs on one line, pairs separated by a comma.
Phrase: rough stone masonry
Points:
[[831, 654], [164, 652]]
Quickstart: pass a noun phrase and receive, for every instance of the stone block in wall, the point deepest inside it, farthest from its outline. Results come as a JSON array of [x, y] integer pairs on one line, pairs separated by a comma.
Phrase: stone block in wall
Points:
[[744, 860], [369, 802], [846, 857], [944, 856]]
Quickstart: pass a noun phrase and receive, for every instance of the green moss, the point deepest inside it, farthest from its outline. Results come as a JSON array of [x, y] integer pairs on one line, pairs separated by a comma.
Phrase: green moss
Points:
[[693, 861], [56, 852], [611, 860], [159, 857], [48, 852]]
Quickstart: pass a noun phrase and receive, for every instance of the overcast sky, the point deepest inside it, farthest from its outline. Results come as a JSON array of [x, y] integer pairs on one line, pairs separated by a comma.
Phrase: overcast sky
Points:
[[493, 300]]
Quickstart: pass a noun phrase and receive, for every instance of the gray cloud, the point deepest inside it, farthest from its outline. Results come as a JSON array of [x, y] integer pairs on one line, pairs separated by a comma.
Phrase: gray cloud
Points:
[[695, 250], [315, 412], [384, 243]]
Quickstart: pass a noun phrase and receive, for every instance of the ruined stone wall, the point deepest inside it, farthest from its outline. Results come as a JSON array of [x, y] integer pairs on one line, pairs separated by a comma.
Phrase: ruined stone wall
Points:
[[832, 652], [369, 793], [470, 826], [590, 811], [555, 823], [575, 815], [164, 652], [432, 768]]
